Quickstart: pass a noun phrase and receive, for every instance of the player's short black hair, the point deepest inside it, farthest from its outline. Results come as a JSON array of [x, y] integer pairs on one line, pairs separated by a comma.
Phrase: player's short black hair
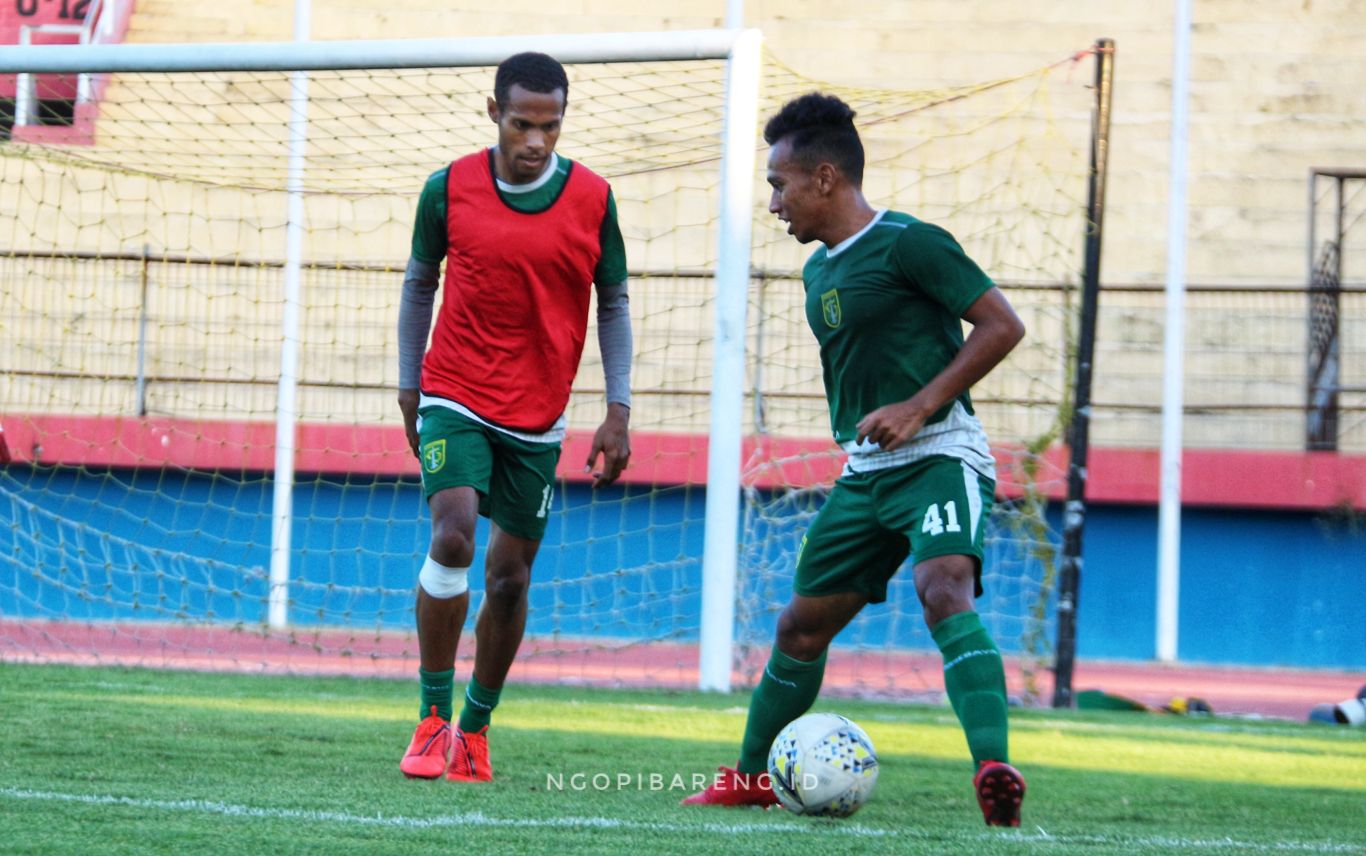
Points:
[[820, 129], [534, 72]]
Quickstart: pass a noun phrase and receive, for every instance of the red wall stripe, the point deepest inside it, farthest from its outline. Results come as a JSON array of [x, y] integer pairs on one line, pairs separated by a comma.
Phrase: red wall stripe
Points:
[[1210, 477]]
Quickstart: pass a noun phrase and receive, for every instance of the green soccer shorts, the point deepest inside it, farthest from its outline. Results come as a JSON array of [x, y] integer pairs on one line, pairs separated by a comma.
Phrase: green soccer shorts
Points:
[[514, 478], [872, 521]]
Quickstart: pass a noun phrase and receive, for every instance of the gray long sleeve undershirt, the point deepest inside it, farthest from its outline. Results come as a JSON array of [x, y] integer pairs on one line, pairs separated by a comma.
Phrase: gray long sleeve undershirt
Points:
[[615, 340], [415, 320]]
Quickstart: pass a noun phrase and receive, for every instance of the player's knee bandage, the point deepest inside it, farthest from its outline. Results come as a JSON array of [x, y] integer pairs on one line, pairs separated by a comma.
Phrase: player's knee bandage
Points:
[[442, 582]]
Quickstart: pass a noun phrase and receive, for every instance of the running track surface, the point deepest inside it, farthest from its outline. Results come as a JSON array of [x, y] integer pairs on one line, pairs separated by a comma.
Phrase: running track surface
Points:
[[916, 676]]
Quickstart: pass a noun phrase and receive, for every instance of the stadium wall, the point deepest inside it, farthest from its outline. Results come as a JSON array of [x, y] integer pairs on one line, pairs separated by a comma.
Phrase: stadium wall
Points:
[[1275, 90], [1270, 576]]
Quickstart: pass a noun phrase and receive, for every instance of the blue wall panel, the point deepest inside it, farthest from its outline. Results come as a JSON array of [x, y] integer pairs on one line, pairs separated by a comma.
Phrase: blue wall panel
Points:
[[1274, 588], [1258, 588]]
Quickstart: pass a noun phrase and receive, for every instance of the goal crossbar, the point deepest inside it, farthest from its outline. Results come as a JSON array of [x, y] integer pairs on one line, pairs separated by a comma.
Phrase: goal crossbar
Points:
[[678, 45]]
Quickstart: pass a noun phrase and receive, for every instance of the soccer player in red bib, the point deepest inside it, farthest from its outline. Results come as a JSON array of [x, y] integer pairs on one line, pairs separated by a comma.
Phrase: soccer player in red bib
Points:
[[525, 236], [885, 293]]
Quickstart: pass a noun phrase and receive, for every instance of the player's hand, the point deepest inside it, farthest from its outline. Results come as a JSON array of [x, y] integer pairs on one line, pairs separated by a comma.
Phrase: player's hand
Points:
[[613, 441], [891, 425], [407, 402]]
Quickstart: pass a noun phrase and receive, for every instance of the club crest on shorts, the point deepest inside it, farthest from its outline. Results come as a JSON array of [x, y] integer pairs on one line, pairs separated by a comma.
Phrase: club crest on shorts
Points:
[[830, 308], [434, 456]]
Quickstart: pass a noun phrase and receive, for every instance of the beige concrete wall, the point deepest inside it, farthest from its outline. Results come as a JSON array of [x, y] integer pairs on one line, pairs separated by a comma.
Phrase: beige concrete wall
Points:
[[1276, 88]]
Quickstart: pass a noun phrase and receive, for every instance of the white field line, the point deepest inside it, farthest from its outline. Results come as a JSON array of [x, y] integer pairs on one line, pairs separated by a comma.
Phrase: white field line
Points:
[[1039, 837]]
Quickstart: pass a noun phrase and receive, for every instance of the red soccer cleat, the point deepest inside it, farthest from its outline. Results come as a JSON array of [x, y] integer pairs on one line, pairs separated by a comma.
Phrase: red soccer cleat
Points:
[[733, 788], [1000, 790], [431, 747], [470, 758]]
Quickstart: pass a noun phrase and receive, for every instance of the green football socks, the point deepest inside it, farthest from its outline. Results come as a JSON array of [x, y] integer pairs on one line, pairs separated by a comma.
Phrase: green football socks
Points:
[[785, 692], [975, 680], [479, 704], [437, 689]]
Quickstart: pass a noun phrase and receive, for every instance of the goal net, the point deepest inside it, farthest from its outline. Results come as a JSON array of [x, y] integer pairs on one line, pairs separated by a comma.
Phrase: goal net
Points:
[[145, 251], [1003, 165]]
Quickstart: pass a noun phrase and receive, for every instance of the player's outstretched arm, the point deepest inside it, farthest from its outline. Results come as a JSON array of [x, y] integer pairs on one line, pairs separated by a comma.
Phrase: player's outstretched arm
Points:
[[996, 330]]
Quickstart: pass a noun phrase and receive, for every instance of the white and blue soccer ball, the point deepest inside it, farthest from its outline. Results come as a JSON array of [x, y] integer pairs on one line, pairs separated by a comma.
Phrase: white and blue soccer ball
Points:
[[822, 764]]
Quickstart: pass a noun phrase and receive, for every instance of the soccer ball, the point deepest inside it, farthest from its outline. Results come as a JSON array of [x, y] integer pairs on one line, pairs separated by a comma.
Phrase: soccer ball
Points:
[[822, 764]]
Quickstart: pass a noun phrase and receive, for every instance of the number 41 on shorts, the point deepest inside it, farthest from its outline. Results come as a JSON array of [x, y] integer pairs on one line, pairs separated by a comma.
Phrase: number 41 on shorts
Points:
[[935, 524]]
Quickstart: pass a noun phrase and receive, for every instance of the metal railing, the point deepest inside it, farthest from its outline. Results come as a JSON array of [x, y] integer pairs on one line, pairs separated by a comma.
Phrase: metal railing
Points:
[[1245, 354]]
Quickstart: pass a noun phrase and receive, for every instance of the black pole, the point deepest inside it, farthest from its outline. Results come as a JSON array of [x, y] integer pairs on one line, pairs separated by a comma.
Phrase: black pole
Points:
[[1078, 432]]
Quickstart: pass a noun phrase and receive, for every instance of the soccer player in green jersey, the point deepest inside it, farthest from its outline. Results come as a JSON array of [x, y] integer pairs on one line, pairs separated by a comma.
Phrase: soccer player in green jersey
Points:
[[525, 236], [885, 293]]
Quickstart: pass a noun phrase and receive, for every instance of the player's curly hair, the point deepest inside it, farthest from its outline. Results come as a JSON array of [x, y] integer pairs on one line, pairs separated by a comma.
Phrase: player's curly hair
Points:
[[534, 72], [821, 130]]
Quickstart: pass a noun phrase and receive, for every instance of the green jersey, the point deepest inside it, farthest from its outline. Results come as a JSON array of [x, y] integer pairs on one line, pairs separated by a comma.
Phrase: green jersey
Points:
[[429, 231], [885, 305]]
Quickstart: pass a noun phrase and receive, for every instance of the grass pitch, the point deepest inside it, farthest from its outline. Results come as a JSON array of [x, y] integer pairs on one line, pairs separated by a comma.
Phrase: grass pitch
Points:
[[120, 761]]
